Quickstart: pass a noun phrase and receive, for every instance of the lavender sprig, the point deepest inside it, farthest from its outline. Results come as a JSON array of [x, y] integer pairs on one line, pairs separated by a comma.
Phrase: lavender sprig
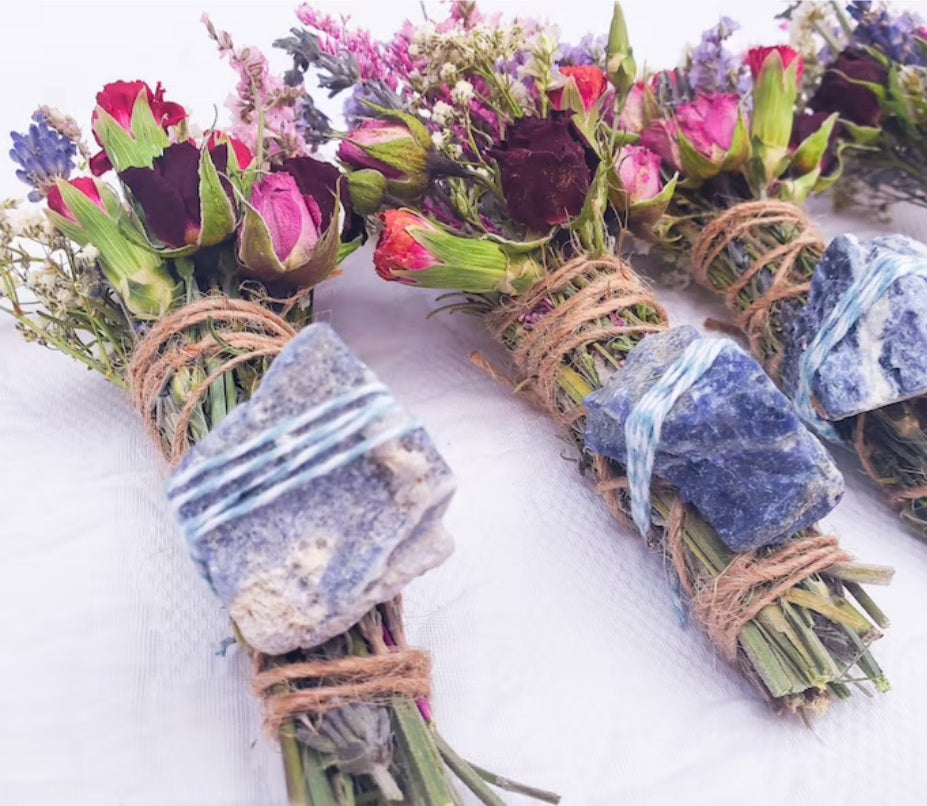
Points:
[[43, 156]]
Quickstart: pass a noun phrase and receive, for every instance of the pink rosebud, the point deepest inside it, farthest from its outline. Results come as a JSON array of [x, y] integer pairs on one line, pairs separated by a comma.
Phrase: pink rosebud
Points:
[[292, 226], [85, 185], [639, 171], [708, 123], [387, 147], [290, 229], [756, 58], [660, 137], [397, 250]]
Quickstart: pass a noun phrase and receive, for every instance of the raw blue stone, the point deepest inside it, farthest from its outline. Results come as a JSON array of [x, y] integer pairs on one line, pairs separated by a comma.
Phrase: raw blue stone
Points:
[[883, 358], [307, 566], [732, 445]]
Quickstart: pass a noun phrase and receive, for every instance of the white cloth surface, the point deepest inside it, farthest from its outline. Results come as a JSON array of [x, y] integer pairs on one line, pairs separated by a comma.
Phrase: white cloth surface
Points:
[[559, 658]]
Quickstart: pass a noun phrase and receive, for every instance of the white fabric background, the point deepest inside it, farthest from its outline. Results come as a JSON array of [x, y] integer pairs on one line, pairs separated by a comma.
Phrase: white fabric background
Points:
[[559, 658]]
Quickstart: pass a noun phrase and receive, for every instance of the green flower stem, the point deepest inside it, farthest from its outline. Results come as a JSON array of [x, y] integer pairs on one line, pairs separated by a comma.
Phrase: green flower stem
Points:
[[296, 778], [421, 763], [474, 777]]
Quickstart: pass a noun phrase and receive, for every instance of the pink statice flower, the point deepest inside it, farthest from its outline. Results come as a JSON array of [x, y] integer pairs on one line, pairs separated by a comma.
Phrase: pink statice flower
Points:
[[259, 89], [374, 59]]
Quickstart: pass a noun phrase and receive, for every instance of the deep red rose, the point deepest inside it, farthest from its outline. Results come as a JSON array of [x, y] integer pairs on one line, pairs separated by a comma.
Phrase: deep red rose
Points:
[[169, 193], [591, 82], [546, 167], [756, 57], [853, 102], [118, 100]]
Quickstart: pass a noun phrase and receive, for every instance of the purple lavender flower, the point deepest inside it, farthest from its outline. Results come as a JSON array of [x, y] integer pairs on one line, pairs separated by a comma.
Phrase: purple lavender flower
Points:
[[43, 155], [375, 92], [714, 68], [589, 50], [894, 35]]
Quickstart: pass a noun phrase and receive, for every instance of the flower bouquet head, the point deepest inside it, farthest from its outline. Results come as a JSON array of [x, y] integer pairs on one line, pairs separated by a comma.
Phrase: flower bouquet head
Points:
[[868, 65], [534, 165], [738, 229], [180, 264]]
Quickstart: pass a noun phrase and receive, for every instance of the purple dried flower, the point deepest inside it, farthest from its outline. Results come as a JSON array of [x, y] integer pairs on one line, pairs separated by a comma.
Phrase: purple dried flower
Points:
[[589, 50], [43, 155], [894, 35], [714, 68]]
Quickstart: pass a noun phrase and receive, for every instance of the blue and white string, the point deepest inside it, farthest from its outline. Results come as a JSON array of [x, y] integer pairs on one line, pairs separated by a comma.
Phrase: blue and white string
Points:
[[864, 292], [645, 422], [296, 451]]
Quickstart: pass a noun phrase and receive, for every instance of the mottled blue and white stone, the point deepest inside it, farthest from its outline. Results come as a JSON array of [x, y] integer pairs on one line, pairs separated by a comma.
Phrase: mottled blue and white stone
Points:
[[732, 445], [300, 566], [883, 357]]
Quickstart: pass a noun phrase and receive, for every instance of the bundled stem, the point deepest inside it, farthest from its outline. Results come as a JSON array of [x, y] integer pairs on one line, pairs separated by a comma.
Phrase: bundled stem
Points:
[[760, 256], [795, 632]]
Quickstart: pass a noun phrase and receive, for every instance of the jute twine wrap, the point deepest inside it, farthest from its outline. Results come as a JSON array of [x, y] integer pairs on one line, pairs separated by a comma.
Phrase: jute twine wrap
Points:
[[396, 671], [744, 222], [231, 332], [753, 580], [741, 223], [250, 332]]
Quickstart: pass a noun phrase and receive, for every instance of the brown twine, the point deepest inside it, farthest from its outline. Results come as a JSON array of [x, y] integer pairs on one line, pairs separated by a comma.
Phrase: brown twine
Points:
[[737, 222], [753, 580], [370, 679], [750, 583], [251, 331], [164, 351]]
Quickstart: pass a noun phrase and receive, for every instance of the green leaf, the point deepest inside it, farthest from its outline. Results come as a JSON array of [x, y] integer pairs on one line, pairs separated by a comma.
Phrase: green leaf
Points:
[[217, 216], [740, 149], [865, 135], [811, 150], [348, 249], [649, 211], [695, 165]]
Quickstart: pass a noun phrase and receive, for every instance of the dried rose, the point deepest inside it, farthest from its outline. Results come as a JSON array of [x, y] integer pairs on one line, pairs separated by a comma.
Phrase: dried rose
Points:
[[546, 166]]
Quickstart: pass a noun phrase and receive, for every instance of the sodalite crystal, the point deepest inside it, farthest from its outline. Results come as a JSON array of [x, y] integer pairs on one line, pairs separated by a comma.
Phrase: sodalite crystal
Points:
[[882, 359], [308, 565], [732, 445]]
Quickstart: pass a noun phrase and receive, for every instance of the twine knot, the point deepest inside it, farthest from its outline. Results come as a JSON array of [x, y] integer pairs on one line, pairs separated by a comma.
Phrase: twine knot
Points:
[[599, 289]]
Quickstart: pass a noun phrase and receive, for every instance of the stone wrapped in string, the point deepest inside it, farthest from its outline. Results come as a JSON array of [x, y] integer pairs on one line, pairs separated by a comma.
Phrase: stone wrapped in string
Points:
[[308, 508], [315, 500], [586, 303]]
